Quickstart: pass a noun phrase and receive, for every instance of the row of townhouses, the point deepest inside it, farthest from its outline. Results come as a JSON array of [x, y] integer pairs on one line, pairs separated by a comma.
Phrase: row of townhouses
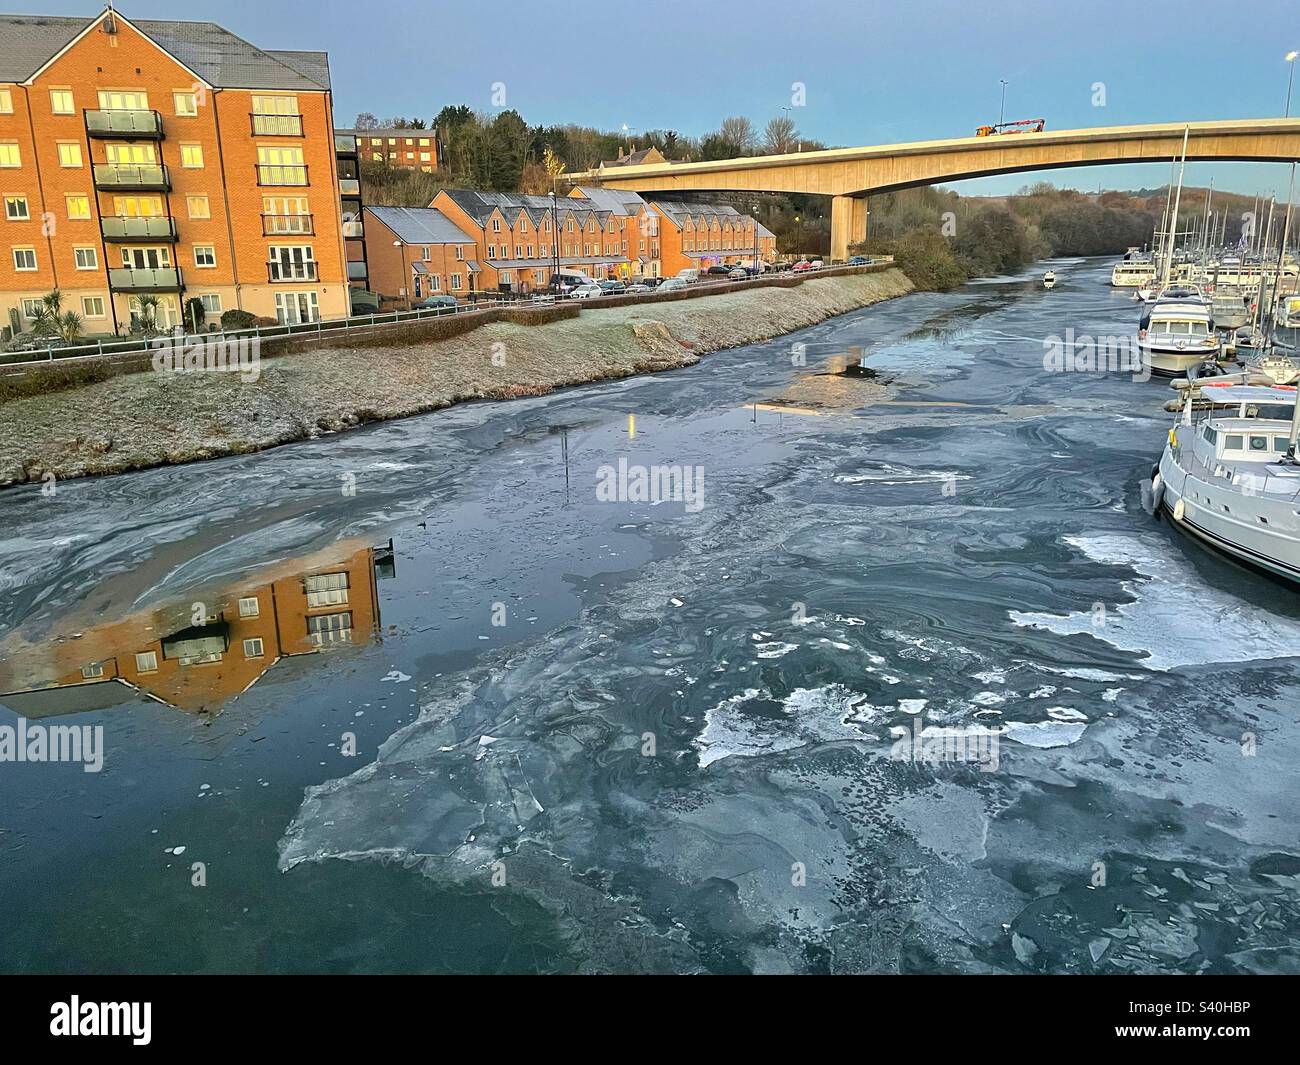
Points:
[[467, 241], [152, 169]]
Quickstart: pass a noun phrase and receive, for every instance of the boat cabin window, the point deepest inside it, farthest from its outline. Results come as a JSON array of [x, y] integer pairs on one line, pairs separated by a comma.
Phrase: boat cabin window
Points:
[[1259, 443], [1210, 435], [1280, 443], [1273, 412], [1232, 443]]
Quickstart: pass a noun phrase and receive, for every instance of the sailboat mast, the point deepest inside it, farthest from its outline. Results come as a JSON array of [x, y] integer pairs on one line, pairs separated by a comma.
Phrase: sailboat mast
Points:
[[1178, 198]]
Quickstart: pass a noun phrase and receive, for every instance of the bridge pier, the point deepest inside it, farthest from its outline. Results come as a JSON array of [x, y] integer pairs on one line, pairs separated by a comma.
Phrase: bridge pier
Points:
[[848, 224]]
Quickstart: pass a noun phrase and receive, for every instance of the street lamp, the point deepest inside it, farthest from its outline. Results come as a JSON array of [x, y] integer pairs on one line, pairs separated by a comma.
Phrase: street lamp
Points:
[[798, 238], [398, 244], [1002, 111], [1290, 59]]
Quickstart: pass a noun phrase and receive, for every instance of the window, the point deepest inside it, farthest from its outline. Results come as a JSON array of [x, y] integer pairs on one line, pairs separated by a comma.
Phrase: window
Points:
[[137, 206], [249, 607], [326, 589], [16, 209], [492, 251], [424, 142], [292, 262], [86, 258], [539, 277], [198, 206], [93, 671], [435, 282], [131, 154], [1232, 443], [1259, 443], [460, 252], [24, 258], [6, 102], [276, 116], [205, 256], [192, 156], [146, 662], [69, 153], [186, 104], [455, 282], [330, 628], [424, 157], [32, 308], [78, 205], [496, 225], [61, 102], [426, 253], [116, 100], [293, 308], [92, 306], [211, 302], [253, 647], [280, 166]]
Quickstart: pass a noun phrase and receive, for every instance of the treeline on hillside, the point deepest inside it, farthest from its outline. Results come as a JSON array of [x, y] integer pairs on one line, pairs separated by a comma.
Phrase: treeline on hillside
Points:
[[503, 153], [940, 239]]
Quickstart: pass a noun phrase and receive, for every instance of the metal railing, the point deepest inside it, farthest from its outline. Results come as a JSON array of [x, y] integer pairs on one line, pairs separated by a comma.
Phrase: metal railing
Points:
[[483, 302], [295, 225], [277, 271], [148, 279], [276, 125], [281, 174]]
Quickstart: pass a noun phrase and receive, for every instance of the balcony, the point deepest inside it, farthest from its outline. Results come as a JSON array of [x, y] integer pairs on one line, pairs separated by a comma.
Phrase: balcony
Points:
[[124, 177], [345, 145], [352, 230], [357, 270], [281, 174], [281, 271], [350, 186], [125, 125], [280, 225], [118, 229], [276, 125], [130, 279]]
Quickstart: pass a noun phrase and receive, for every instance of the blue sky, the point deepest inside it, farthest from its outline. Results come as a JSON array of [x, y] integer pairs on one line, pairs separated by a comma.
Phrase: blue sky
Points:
[[876, 72]]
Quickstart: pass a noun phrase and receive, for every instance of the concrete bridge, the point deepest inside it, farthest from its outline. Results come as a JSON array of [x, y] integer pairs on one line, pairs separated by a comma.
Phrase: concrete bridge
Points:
[[850, 175]]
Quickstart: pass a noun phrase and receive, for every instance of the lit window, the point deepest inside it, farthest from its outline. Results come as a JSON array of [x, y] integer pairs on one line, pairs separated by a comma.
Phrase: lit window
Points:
[[78, 206], [16, 209], [249, 608], [69, 153], [198, 206], [186, 104], [61, 102], [192, 156], [86, 258], [6, 102]]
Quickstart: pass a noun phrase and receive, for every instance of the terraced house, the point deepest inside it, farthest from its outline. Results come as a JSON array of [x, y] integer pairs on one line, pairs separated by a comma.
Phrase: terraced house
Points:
[[165, 159]]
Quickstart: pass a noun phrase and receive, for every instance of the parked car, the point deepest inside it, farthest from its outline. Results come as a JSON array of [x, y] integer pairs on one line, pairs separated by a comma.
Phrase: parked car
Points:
[[859, 260], [801, 266], [640, 286], [688, 275], [429, 303], [738, 273], [565, 281], [718, 270], [816, 264], [649, 282], [672, 284], [585, 292], [611, 287]]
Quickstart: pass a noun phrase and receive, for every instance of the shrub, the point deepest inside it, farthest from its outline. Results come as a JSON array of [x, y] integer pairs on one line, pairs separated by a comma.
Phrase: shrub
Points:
[[233, 319]]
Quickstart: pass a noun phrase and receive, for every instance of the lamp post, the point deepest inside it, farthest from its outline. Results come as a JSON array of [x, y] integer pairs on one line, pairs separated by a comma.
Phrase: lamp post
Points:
[[1290, 62], [402, 251], [1002, 111], [798, 238], [757, 271]]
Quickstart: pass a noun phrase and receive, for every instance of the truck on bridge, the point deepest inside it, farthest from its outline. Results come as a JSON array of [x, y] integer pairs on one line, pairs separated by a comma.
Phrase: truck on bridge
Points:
[[1024, 125]]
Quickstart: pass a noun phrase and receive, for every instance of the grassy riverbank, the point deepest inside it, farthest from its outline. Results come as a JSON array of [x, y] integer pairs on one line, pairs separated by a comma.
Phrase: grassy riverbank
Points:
[[153, 419]]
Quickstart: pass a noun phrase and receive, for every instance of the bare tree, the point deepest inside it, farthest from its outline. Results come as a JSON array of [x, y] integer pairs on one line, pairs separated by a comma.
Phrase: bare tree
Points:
[[780, 136], [739, 132], [366, 120]]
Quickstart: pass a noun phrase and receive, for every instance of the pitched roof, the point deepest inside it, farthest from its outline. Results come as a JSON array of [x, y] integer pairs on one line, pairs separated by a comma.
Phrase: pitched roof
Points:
[[645, 155], [215, 54], [421, 225]]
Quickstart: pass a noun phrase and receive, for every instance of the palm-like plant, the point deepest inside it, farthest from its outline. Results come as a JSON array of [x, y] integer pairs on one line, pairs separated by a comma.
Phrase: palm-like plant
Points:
[[147, 314], [69, 325], [45, 323]]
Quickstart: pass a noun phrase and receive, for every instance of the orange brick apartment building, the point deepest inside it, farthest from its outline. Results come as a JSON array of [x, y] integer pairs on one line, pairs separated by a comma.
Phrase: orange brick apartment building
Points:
[[164, 158]]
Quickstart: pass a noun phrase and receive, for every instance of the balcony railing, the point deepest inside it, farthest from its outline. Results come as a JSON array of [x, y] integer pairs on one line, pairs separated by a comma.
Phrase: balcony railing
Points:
[[298, 225], [282, 271], [124, 125], [353, 229], [350, 186], [125, 176], [277, 125], [346, 145], [131, 279], [281, 174], [121, 229]]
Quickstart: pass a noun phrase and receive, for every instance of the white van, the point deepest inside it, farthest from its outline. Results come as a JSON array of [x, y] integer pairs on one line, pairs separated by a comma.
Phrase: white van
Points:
[[691, 273]]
